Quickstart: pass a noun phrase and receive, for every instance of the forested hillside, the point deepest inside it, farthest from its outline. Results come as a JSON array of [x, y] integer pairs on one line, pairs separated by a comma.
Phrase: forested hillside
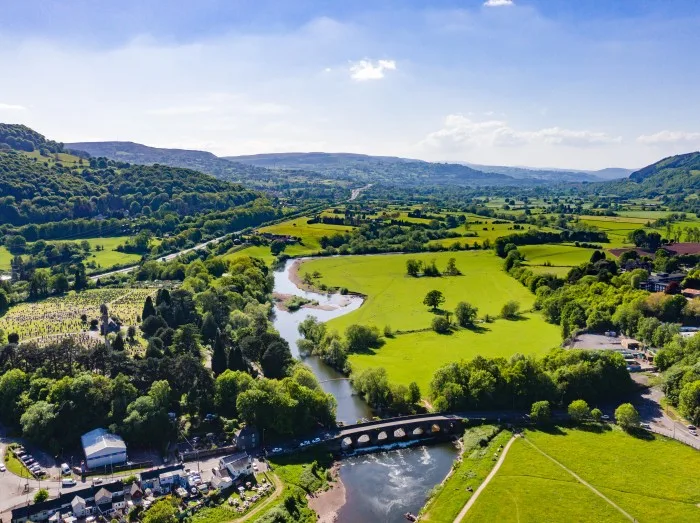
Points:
[[34, 192], [676, 179], [22, 138]]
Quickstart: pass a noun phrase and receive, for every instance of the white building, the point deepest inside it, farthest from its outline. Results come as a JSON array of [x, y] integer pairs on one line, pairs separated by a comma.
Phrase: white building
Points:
[[237, 464], [103, 448]]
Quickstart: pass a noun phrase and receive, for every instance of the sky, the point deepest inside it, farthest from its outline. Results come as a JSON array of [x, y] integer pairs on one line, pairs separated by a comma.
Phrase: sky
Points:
[[583, 84]]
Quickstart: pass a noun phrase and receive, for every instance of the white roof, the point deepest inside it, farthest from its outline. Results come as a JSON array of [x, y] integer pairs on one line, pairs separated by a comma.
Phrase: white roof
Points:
[[95, 441]]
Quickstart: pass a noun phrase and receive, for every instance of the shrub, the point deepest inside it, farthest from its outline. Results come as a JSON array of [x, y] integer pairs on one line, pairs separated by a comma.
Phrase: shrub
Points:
[[441, 325]]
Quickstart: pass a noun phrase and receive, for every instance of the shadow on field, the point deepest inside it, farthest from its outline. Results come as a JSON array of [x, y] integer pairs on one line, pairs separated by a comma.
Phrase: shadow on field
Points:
[[642, 434], [552, 430], [595, 428]]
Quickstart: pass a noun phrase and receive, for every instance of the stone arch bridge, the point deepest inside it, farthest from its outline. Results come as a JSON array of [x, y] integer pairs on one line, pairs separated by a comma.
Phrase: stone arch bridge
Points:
[[396, 430]]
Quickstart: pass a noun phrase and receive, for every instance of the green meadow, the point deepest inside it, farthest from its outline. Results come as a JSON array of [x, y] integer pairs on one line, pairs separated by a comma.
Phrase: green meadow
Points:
[[5, 259], [555, 258], [416, 356], [396, 300], [652, 479], [310, 234]]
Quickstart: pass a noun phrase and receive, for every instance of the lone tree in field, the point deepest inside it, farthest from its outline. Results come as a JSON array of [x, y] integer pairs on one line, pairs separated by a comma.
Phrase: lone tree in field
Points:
[[434, 299], [579, 411], [413, 267], [627, 417], [540, 412], [465, 313], [511, 310], [451, 269]]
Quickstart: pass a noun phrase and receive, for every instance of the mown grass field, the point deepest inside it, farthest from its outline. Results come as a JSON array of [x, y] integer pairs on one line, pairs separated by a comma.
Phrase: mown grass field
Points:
[[310, 234], [5, 259], [416, 356], [104, 259], [476, 463], [396, 299], [552, 257], [651, 479]]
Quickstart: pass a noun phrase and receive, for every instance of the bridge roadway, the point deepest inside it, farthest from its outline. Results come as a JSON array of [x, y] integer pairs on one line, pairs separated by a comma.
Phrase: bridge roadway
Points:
[[408, 428]]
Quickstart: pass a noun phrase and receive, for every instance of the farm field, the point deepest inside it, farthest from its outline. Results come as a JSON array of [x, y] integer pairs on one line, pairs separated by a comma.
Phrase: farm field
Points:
[[109, 257], [255, 251], [58, 316], [530, 487], [559, 255], [5, 259], [395, 299], [617, 228], [416, 356], [310, 234]]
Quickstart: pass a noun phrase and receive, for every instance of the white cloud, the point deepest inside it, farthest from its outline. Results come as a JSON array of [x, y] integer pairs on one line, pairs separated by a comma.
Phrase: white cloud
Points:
[[670, 137], [11, 107], [371, 70], [498, 3], [461, 133]]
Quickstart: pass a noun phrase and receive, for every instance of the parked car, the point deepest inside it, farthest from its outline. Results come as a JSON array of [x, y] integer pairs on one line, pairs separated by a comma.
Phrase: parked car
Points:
[[276, 450], [692, 427], [97, 481], [65, 469], [605, 417], [68, 482], [316, 440], [645, 426], [255, 467], [3, 468]]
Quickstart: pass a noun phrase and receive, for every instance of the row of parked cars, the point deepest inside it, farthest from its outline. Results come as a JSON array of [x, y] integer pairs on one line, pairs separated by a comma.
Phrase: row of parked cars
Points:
[[29, 462]]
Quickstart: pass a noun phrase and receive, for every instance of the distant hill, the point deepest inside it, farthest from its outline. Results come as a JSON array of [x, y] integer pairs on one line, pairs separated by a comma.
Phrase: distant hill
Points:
[[676, 178], [190, 159], [388, 169], [556, 175]]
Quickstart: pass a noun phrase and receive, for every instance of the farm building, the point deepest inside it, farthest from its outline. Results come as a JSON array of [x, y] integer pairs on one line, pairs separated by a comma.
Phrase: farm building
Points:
[[103, 448]]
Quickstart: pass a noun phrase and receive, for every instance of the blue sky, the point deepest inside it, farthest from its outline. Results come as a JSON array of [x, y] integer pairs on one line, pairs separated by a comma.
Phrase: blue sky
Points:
[[560, 83]]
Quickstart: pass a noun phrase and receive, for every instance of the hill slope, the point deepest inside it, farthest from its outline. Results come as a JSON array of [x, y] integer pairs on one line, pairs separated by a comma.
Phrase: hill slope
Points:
[[190, 159], [388, 169], [37, 188]]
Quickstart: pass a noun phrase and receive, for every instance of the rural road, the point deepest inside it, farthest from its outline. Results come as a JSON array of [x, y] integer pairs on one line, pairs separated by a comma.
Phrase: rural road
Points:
[[167, 258], [356, 192], [485, 483]]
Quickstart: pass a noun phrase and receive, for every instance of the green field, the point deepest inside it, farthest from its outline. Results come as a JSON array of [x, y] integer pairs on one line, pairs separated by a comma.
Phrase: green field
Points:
[[417, 355], [395, 299], [469, 471], [310, 234], [103, 259], [554, 258], [5, 259], [652, 479]]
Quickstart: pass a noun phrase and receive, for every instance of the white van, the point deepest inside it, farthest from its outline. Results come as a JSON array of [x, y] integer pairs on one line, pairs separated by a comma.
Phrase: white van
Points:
[[65, 469], [67, 483]]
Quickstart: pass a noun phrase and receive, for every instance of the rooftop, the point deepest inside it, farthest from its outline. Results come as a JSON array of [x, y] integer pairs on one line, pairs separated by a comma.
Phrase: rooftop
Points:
[[101, 439]]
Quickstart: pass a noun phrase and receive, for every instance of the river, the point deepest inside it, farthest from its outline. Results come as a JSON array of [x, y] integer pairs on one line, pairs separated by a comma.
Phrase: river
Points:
[[379, 487]]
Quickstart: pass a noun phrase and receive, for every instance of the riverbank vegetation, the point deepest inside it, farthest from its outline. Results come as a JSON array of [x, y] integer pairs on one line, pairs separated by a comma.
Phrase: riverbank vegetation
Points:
[[531, 487], [480, 448]]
